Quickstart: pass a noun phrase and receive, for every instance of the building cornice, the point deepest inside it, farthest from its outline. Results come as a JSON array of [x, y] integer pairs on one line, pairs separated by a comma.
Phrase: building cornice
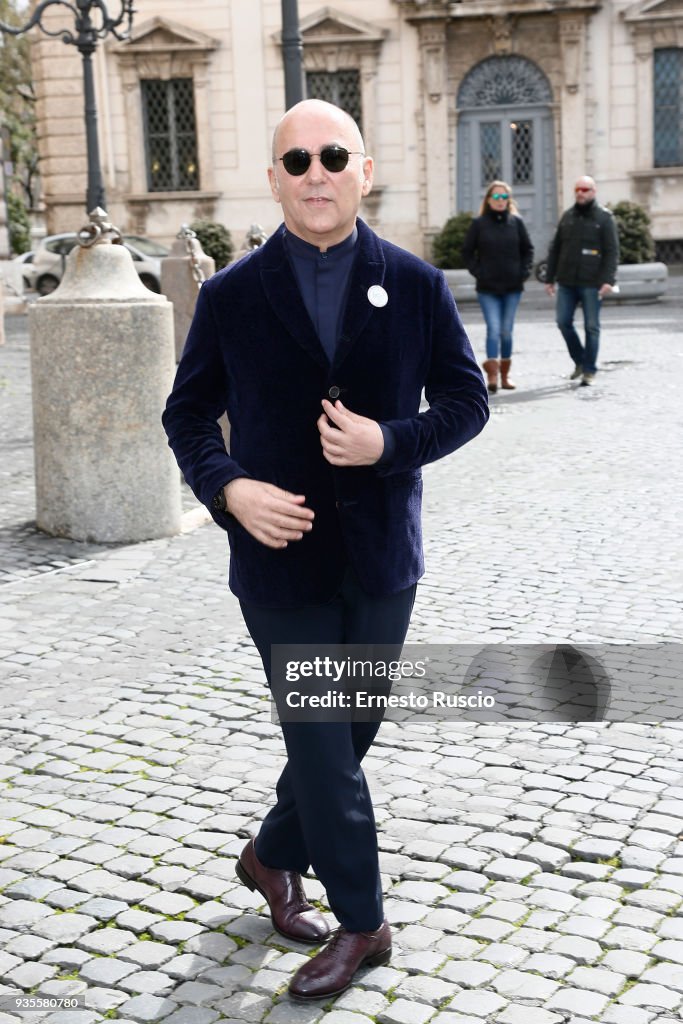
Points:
[[422, 10]]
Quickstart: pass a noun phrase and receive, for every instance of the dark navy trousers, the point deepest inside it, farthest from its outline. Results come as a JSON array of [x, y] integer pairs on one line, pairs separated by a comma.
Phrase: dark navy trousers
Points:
[[323, 816]]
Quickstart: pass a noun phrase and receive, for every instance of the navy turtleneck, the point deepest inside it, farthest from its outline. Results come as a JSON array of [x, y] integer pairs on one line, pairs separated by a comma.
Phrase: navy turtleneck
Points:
[[323, 279]]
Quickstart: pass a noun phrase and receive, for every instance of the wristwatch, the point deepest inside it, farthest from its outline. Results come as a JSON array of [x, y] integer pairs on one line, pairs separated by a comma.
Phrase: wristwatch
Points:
[[218, 502]]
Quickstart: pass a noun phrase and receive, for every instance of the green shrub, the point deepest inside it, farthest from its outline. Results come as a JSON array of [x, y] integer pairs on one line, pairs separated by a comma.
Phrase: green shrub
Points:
[[215, 240], [19, 225], [636, 244], [447, 244]]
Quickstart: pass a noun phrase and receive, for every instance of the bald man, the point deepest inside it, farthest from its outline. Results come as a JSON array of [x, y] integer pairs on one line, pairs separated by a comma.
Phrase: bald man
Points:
[[583, 260], [319, 345]]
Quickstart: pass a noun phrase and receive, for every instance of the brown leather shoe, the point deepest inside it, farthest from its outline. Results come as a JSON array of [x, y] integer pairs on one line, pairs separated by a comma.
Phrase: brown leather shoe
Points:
[[331, 972], [291, 913]]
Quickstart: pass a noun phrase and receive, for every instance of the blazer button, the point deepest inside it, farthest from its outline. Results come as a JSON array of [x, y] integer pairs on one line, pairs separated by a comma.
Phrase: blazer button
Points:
[[334, 392]]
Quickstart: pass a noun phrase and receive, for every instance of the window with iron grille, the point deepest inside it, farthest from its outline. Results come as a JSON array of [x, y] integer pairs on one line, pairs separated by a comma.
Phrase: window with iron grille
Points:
[[339, 87], [668, 113], [669, 250], [170, 134], [491, 152], [522, 152]]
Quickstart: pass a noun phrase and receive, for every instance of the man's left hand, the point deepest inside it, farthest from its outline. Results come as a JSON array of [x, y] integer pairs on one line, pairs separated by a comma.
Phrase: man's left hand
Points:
[[604, 289], [353, 440]]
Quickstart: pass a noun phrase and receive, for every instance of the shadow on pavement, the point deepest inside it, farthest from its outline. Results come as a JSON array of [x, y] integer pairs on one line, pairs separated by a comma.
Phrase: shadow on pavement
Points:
[[500, 400], [26, 551]]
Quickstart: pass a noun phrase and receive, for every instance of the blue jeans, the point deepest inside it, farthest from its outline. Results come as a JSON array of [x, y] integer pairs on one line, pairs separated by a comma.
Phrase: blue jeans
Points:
[[499, 314], [567, 301]]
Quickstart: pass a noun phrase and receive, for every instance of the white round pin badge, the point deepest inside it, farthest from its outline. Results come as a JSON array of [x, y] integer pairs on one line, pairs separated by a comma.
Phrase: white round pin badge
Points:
[[377, 296]]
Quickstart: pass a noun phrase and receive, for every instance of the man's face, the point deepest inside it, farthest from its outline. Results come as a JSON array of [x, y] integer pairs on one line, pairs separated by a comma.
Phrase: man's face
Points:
[[584, 191], [319, 206]]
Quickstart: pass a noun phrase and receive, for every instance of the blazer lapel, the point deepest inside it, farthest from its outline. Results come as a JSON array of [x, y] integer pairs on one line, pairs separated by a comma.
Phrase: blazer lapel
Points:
[[284, 297], [368, 270]]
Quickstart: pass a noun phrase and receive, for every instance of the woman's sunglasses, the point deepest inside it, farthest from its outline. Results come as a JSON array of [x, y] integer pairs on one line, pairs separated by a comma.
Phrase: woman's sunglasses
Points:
[[333, 158], [500, 195]]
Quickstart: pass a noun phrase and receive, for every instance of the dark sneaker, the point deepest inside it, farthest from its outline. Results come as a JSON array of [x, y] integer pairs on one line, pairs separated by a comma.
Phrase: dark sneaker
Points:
[[576, 373]]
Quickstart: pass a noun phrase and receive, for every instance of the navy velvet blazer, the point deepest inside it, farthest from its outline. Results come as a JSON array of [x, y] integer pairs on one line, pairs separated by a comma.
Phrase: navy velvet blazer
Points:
[[252, 350]]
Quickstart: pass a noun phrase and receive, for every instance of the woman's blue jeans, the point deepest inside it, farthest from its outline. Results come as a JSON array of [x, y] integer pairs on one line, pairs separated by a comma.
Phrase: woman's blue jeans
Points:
[[567, 301], [499, 314]]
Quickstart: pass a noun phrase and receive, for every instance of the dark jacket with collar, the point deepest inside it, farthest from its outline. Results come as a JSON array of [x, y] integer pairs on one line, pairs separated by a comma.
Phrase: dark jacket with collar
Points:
[[498, 252], [253, 351], [585, 250]]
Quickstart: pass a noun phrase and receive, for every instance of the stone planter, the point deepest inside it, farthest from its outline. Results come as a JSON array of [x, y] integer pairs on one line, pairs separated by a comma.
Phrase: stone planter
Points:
[[640, 282], [462, 285]]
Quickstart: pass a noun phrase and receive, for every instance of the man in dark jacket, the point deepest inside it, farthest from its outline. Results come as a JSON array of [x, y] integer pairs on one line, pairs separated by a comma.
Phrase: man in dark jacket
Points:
[[583, 260], [318, 345]]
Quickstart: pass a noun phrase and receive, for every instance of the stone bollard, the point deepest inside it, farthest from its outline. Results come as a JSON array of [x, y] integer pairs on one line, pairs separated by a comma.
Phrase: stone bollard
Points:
[[181, 275], [102, 365]]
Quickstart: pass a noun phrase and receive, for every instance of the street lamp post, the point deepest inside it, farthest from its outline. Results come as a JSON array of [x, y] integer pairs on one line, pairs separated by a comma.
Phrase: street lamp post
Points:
[[292, 54], [92, 22]]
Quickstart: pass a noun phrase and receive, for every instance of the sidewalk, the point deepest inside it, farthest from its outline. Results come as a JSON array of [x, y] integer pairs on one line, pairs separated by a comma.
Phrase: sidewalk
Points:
[[534, 873]]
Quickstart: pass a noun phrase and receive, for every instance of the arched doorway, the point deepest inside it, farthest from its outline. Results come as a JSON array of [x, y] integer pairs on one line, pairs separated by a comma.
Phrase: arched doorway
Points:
[[505, 130]]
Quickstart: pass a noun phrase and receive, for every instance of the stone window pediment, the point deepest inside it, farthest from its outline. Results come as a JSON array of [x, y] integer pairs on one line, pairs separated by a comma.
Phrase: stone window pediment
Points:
[[655, 23], [161, 35], [653, 11], [328, 26]]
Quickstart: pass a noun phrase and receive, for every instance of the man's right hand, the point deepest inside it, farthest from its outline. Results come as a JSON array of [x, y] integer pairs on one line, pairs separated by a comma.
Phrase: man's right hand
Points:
[[273, 516], [550, 288]]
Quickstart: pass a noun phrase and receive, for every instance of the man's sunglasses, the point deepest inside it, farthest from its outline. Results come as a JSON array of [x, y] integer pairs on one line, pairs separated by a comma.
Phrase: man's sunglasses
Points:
[[590, 189], [500, 195], [333, 158]]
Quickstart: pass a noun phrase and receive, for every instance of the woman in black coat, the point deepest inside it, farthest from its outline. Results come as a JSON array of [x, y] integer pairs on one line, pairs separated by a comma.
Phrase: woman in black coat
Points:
[[497, 251]]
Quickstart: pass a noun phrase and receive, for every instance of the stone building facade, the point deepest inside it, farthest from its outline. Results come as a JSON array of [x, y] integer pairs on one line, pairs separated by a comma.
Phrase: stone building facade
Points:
[[450, 93]]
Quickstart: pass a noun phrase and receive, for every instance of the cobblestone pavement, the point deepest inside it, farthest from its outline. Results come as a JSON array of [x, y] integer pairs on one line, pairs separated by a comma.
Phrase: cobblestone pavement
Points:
[[534, 873]]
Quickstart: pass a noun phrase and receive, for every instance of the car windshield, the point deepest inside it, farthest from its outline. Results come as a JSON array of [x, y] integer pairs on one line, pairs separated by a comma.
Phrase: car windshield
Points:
[[61, 245], [146, 246]]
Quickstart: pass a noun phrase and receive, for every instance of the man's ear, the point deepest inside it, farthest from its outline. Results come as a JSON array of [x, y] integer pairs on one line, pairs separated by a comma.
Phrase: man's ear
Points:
[[367, 175], [274, 187]]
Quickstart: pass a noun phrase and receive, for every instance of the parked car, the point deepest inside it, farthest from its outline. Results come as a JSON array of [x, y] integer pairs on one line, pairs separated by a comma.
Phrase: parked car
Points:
[[28, 272], [49, 260]]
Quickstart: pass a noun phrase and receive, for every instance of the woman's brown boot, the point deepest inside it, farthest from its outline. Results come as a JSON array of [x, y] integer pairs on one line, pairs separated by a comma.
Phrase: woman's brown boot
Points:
[[491, 371], [505, 381]]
